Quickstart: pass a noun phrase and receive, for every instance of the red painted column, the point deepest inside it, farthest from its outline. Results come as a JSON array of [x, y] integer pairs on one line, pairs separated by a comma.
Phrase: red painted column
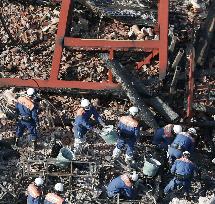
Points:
[[62, 26], [163, 20], [191, 83]]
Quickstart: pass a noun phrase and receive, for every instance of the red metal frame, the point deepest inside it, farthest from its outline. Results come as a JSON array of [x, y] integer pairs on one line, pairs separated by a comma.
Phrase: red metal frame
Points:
[[191, 83], [148, 59], [105, 45]]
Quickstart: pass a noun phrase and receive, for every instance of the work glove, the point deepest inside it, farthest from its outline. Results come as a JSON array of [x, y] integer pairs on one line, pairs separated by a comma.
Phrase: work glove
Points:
[[103, 124]]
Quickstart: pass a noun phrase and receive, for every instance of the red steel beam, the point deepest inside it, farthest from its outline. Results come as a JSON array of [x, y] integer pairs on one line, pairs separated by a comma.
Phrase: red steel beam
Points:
[[147, 60], [89, 44], [110, 44], [163, 16], [110, 74], [61, 32], [38, 83], [191, 83]]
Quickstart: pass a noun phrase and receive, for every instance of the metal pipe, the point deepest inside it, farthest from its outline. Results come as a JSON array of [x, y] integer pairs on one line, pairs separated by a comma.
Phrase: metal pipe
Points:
[[178, 58], [173, 42], [175, 80]]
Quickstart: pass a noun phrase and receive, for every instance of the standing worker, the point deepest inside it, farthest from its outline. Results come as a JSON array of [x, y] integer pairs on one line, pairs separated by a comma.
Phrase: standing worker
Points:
[[27, 111], [82, 123], [128, 134], [56, 197], [184, 141], [164, 136], [122, 185], [35, 192], [183, 169]]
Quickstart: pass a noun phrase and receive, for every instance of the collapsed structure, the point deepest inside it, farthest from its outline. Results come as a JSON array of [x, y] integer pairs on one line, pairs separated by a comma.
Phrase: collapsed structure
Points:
[[138, 70]]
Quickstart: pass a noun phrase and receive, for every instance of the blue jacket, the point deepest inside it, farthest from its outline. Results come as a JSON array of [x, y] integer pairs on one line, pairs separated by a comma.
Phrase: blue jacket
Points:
[[34, 195], [184, 167], [122, 185], [184, 140], [25, 107], [129, 127], [83, 116], [163, 137], [52, 198]]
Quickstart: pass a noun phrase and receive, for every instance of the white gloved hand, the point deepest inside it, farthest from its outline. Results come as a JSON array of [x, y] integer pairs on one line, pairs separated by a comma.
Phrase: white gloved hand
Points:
[[167, 153]]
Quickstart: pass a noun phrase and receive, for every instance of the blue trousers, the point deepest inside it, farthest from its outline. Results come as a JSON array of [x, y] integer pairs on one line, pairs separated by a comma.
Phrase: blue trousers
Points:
[[31, 126], [180, 183], [129, 142], [79, 132]]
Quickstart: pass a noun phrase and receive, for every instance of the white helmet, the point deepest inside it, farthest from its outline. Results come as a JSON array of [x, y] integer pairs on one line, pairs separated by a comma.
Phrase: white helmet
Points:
[[39, 181], [177, 129], [58, 187], [85, 103], [192, 131], [30, 92], [134, 176], [133, 110], [186, 153]]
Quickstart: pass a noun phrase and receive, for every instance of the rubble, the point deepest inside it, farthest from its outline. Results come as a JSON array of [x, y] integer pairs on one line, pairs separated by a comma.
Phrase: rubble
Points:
[[27, 43]]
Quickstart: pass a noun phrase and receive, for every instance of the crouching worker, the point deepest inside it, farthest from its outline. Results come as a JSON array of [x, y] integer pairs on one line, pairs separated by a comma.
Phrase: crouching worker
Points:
[[122, 185], [129, 131], [184, 141], [82, 123], [183, 169], [34, 192], [164, 136], [56, 197]]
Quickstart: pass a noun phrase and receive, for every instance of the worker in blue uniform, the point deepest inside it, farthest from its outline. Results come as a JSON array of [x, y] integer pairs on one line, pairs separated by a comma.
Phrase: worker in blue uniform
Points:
[[129, 131], [122, 185], [184, 141], [183, 170], [56, 197], [164, 136], [82, 123], [35, 193], [27, 112]]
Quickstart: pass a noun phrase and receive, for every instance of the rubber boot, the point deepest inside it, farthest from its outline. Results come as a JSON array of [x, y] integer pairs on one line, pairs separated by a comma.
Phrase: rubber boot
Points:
[[16, 142], [34, 144], [116, 153]]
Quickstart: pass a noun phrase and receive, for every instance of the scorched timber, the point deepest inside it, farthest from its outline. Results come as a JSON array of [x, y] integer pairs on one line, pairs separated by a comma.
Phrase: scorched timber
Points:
[[154, 101], [131, 91]]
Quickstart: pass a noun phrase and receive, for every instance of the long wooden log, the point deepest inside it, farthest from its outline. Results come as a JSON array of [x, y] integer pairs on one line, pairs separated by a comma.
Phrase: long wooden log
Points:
[[154, 101], [205, 37], [128, 86]]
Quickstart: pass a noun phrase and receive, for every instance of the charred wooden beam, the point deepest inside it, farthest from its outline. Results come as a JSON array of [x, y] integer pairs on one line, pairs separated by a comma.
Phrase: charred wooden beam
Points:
[[175, 80], [205, 37], [154, 101], [131, 91], [206, 123], [178, 58], [203, 108]]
